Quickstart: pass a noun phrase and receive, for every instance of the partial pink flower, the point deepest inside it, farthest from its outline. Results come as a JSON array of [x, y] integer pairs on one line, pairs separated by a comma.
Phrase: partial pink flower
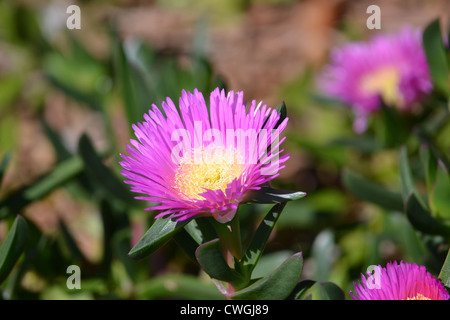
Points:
[[194, 160], [404, 281], [390, 67]]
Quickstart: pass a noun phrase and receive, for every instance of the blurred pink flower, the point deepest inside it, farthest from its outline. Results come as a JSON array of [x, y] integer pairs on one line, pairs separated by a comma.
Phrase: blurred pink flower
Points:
[[404, 281], [390, 67], [200, 161]]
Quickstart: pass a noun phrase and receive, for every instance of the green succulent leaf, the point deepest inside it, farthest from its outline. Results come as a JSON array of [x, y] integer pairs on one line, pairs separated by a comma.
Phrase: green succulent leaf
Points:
[[422, 220], [259, 240], [407, 181], [282, 110], [444, 275], [301, 289], [440, 195], [177, 286], [3, 165], [90, 99], [373, 192], [331, 291], [210, 257], [436, 56], [269, 195], [156, 236], [61, 174], [101, 173], [429, 164], [13, 246], [278, 285]]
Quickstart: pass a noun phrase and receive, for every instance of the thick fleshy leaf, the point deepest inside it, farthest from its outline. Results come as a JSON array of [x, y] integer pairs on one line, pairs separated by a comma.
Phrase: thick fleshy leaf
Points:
[[193, 234], [121, 246], [322, 254], [406, 177], [269, 195], [436, 56], [301, 289], [3, 165], [430, 143], [281, 109], [156, 236], [440, 195], [12, 247], [444, 275], [201, 230], [187, 243], [101, 173], [331, 291], [259, 240], [360, 143], [270, 262], [177, 286], [278, 285], [373, 192], [390, 128], [60, 175], [131, 89], [429, 164], [70, 242], [210, 257], [91, 100], [62, 153], [422, 220]]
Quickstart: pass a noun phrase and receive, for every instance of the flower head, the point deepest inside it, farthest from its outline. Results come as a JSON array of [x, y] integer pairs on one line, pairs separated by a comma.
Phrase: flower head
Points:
[[404, 281], [391, 67], [200, 161]]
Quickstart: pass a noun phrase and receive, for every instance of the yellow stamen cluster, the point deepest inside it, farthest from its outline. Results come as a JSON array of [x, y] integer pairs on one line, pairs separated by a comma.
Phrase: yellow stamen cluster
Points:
[[419, 296], [385, 82], [212, 167]]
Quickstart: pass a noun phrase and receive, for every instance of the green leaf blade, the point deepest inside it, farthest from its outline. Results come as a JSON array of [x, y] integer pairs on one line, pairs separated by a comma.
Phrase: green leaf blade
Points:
[[3, 165], [444, 274], [177, 286], [422, 220], [101, 173], [436, 56], [269, 195], [330, 291], [61, 174], [156, 236], [259, 240], [12, 247], [372, 192], [407, 181], [278, 285], [209, 256]]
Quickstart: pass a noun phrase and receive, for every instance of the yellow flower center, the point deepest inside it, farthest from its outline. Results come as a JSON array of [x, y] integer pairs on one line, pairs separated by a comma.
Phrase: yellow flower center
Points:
[[213, 168], [419, 296], [385, 82]]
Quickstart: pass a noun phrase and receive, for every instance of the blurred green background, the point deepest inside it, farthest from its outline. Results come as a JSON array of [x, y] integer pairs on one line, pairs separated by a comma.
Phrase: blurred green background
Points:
[[68, 99]]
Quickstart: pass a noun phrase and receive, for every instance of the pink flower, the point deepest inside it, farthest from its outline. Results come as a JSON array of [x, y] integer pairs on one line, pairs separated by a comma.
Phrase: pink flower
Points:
[[404, 281], [391, 67], [200, 161]]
